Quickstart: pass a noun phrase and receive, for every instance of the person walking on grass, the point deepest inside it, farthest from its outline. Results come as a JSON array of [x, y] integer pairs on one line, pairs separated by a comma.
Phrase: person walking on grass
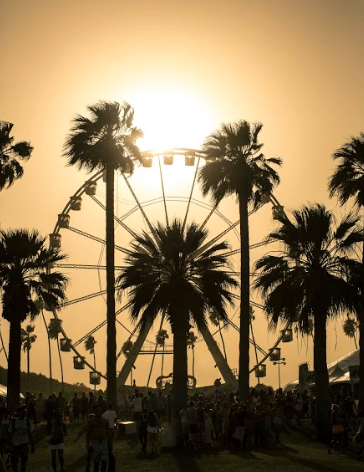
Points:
[[153, 430], [57, 430], [337, 429], [111, 416], [20, 437], [98, 440], [359, 436], [143, 429]]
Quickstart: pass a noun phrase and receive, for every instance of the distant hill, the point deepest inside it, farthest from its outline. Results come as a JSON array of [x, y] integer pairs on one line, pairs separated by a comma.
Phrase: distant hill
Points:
[[40, 383]]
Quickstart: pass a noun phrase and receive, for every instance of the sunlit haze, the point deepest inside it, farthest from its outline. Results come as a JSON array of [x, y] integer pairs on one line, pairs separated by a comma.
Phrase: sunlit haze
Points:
[[185, 67]]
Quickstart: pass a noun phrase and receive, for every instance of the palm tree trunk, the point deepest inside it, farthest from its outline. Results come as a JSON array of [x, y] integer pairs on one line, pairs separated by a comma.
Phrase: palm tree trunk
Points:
[[28, 368], [110, 289], [243, 385], [361, 350], [180, 368], [60, 363], [322, 405], [162, 359], [94, 365], [13, 380], [50, 356]]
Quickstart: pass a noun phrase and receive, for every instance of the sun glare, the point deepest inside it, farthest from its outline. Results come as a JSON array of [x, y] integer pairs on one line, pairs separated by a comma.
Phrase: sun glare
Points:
[[170, 118]]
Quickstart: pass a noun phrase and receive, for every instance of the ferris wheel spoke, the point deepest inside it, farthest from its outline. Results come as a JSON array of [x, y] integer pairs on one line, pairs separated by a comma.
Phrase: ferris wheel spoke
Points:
[[99, 326], [73, 347], [212, 211], [84, 266], [118, 220], [133, 354], [163, 193], [216, 238], [154, 353], [81, 299], [219, 359], [99, 240], [139, 205], [191, 193], [131, 334]]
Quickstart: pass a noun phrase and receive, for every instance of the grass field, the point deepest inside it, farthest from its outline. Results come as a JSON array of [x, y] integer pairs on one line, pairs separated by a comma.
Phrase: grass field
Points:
[[299, 453]]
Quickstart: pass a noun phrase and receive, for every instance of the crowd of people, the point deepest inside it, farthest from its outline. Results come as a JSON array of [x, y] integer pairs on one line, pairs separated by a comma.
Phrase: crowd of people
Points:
[[218, 419]]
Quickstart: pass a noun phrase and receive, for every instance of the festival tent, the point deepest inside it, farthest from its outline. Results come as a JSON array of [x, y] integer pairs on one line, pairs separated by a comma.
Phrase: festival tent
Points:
[[4, 390], [338, 371]]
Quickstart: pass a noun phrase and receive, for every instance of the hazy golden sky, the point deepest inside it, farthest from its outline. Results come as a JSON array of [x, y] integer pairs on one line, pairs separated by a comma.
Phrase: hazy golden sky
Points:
[[295, 65]]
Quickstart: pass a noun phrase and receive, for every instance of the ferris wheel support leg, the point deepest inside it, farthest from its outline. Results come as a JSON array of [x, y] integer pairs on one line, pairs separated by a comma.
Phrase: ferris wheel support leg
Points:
[[132, 356], [219, 359]]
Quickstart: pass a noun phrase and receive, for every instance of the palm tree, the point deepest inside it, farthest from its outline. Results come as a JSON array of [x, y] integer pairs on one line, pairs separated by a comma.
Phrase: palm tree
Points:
[[40, 308], [215, 320], [239, 168], [54, 329], [10, 154], [309, 279], [170, 275], [24, 279], [347, 182], [106, 142], [27, 339], [350, 327], [126, 348], [161, 337], [191, 341]]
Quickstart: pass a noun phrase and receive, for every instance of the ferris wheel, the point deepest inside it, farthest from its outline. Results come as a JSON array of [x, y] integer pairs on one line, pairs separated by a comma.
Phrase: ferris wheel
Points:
[[163, 188]]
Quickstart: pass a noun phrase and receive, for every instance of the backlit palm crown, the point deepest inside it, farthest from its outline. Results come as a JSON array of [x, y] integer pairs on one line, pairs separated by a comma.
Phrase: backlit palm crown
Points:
[[238, 166], [108, 137], [24, 260], [312, 270], [168, 274], [348, 178], [10, 154], [54, 328], [90, 344]]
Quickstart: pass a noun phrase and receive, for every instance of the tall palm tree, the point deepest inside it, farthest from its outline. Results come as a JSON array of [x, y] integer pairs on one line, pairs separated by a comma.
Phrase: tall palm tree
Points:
[[106, 141], [309, 279], [90, 346], [350, 327], [10, 155], [54, 329], [215, 320], [347, 183], [27, 339], [161, 337], [170, 275], [126, 348], [239, 168], [24, 279], [191, 341], [40, 308]]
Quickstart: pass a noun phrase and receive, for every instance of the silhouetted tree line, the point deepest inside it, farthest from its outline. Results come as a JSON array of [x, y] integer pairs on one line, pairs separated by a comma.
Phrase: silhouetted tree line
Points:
[[40, 383]]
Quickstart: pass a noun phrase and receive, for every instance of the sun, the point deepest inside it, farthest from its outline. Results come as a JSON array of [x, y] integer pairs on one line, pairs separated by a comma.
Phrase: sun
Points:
[[171, 118]]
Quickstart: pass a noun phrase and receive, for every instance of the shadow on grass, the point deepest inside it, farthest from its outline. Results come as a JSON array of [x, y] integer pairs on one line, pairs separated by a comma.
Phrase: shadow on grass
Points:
[[311, 464], [186, 459], [277, 451]]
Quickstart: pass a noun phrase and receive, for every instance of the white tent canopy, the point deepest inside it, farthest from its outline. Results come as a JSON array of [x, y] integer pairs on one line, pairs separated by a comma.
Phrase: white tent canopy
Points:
[[338, 370], [4, 391]]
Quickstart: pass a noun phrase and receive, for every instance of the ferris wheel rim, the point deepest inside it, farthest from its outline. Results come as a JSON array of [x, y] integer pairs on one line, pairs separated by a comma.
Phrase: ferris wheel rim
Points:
[[152, 154]]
